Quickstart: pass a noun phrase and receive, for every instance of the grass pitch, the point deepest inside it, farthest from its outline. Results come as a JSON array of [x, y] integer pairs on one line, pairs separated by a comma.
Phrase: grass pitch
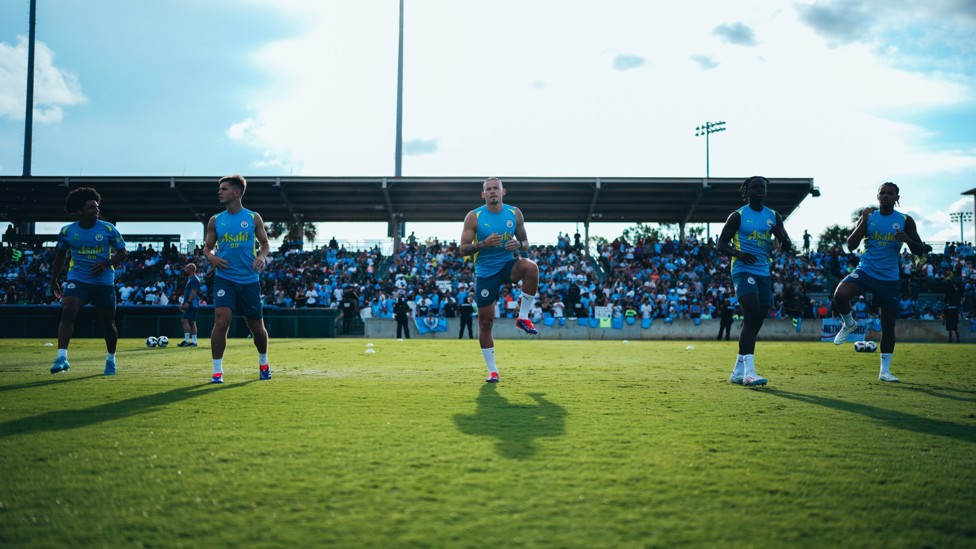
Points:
[[582, 444]]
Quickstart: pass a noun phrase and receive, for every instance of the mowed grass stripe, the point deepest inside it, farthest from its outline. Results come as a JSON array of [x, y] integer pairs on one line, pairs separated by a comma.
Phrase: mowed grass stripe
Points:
[[581, 444]]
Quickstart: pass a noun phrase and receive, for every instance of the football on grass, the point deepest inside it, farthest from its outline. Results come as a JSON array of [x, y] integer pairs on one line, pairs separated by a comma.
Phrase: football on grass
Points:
[[865, 346]]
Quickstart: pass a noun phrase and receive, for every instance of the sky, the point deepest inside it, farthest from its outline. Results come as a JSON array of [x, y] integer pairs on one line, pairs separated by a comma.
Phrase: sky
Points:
[[852, 93]]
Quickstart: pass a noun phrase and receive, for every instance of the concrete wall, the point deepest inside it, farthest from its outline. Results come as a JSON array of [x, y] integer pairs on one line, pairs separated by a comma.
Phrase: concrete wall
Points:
[[772, 330]]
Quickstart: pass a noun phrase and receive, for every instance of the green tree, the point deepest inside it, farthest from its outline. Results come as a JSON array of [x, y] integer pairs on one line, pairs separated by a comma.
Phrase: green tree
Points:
[[834, 235], [293, 231], [641, 231], [696, 231]]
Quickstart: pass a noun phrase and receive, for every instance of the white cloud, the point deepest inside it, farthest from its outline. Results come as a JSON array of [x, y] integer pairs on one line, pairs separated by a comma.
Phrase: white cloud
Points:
[[54, 88], [537, 94]]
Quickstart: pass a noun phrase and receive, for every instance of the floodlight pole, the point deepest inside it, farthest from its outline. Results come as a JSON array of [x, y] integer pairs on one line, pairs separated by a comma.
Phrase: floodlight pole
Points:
[[707, 129], [29, 115], [398, 162], [961, 217]]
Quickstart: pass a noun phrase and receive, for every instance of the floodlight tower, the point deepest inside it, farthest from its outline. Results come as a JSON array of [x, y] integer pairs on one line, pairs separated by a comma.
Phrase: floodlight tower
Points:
[[707, 129], [29, 114], [961, 217], [398, 149]]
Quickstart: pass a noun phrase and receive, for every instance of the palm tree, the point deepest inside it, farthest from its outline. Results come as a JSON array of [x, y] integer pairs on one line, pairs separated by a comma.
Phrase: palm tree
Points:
[[293, 232]]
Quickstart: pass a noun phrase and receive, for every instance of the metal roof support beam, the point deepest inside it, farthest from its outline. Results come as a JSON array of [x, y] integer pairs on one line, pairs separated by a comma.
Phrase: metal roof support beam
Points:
[[693, 206], [284, 199], [385, 185], [179, 194], [394, 218], [597, 185]]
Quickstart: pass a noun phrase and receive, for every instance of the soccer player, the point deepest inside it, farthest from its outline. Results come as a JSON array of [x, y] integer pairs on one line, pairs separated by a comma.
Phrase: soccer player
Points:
[[97, 249], [883, 230], [493, 234], [236, 246], [191, 303], [746, 238]]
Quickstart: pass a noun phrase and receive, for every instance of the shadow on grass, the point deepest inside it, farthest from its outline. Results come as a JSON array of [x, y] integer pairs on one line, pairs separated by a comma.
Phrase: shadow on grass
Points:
[[515, 426], [52, 381], [899, 420], [63, 420], [941, 392]]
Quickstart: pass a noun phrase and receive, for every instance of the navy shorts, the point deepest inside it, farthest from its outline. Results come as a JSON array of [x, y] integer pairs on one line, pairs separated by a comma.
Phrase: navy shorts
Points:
[[486, 287], [190, 313], [239, 298], [750, 284], [885, 292], [102, 296]]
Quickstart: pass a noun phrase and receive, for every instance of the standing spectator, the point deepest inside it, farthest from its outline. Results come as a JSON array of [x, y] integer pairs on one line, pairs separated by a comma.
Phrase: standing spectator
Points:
[[350, 306], [953, 300], [401, 312], [725, 312], [467, 310]]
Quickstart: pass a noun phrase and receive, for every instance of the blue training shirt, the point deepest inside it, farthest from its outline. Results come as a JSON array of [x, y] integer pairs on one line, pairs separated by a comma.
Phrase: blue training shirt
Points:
[[753, 237], [192, 283], [88, 247], [489, 261], [236, 244], [881, 249]]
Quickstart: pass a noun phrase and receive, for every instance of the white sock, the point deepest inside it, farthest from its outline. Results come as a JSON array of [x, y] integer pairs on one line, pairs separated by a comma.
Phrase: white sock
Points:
[[194, 338], [737, 369], [110, 357], [527, 302], [62, 353], [848, 319], [186, 337], [886, 362], [489, 355], [262, 359], [748, 365], [218, 366]]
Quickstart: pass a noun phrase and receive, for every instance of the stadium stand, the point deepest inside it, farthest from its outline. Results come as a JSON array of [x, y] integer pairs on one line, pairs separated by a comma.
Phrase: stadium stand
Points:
[[663, 278]]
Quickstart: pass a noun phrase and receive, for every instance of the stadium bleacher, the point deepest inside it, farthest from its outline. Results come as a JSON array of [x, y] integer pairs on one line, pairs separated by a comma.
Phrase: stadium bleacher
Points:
[[658, 277]]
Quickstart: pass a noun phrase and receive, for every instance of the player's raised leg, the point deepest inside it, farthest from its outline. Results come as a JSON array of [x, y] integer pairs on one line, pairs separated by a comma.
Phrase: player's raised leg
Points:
[[527, 271], [842, 304]]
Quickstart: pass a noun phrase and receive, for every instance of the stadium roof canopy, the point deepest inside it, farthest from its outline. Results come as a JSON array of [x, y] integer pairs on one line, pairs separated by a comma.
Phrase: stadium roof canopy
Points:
[[413, 199]]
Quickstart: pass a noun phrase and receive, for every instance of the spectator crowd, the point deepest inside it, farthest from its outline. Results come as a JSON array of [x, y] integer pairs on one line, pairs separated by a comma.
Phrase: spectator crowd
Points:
[[650, 278]]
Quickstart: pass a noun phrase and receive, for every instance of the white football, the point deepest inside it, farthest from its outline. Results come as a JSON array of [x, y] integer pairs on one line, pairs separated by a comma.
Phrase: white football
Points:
[[151, 341], [865, 346], [162, 341]]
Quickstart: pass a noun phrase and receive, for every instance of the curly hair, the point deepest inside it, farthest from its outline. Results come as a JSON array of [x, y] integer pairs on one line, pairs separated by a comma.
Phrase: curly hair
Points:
[[744, 188], [77, 199], [897, 191]]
